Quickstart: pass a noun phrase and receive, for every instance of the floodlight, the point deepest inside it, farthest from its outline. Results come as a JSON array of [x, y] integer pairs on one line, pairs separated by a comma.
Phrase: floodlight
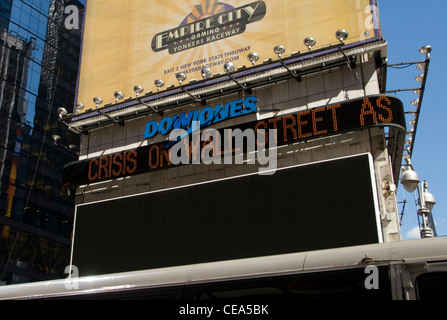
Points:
[[341, 35], [62, 112], [138, 90], [206, 73], [421, 66], [118, 95], [97, 101], [279, 50], [415, 102], [413, 112], [419, 78], [159, 84], [79, 106], [56, 138], [228, 67], [180, 77], [309, 42], [253, 57], [426, 49]]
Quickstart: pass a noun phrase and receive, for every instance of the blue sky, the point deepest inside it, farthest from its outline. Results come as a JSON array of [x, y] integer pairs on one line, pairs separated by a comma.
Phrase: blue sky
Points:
[[407, 26]]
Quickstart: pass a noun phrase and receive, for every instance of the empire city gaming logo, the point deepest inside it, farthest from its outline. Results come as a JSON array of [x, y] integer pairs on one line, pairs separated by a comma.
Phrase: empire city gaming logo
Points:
[[208, 22]]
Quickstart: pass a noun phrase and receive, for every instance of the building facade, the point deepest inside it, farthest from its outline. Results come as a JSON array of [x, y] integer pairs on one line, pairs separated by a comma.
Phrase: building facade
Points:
[[143, 198], [39, 63]]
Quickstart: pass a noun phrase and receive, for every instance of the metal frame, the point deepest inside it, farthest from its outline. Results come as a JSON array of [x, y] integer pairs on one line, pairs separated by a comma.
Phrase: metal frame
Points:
[[297, 66], [407, 260]]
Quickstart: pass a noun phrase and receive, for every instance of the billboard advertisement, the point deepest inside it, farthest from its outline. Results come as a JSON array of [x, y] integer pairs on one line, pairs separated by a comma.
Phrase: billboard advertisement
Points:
[[134, 43]]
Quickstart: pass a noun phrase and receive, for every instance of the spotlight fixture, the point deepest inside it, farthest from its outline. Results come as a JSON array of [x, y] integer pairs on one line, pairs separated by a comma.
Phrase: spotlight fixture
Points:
[[206, 73], [79, 106], [159, 84], [62, 112], [309, 42], [421, 66], [97, 101], [415, 102], [419, 78], [253, 57], [342, 35], [180, 77], [56, 139], [138, 90], [279, 50], [229, 68], [118, 95], [413, 112], [409, 179], [426, 50]]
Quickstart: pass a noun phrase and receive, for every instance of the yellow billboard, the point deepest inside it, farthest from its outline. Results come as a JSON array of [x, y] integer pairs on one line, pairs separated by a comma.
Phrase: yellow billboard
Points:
[[136, 42]]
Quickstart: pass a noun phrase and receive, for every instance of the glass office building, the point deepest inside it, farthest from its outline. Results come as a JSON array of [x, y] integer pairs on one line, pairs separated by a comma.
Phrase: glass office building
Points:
[[39, 57]]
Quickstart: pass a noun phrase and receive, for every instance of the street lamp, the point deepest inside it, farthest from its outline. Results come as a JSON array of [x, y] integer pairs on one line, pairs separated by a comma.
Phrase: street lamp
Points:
[[409, 178], [428, 197], [426, 201]]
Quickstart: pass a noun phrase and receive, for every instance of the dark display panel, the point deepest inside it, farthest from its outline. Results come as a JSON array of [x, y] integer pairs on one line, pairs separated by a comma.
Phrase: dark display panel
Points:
[[322, 205]]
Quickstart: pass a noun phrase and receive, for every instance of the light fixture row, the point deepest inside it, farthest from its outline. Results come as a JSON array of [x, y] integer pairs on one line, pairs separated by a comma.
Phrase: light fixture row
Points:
[[409, 178], [228, 67], [426, 50]]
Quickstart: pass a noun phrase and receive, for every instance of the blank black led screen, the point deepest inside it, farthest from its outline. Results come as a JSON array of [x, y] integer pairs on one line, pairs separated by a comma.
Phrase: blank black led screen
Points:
[[318, 206]]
